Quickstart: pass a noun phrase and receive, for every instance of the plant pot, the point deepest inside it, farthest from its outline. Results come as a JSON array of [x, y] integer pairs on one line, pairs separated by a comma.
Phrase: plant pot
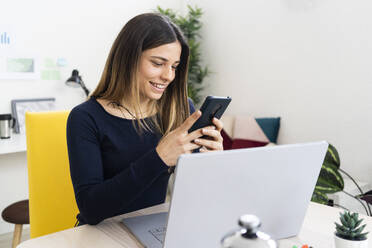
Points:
[[344, 243]]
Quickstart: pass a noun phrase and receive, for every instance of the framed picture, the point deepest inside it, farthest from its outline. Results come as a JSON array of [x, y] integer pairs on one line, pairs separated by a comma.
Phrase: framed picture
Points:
[[19, 68], [21, 106]]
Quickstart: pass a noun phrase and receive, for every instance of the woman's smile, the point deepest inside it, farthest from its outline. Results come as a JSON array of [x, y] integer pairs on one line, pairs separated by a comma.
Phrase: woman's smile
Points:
[[159, 87]]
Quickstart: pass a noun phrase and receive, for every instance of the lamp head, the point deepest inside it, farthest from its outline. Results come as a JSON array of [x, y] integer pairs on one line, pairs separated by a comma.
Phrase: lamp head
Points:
[[75, 80]]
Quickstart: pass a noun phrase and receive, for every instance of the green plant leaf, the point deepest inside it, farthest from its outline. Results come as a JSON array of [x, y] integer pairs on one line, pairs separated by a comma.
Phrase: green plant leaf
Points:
[[360, 229], [332, 156], [347, 218], [167, 12], [330, 180], [333, 172], [352, 223], [325, 186], [339, 231], [319, 197], [358, 222], [355, 216], [341, 228], [363, 236], [343, 219]]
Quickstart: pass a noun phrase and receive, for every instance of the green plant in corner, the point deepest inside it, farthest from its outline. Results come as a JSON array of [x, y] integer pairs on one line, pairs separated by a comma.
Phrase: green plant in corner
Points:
[[190, 26], [330, 179], [350, 228]]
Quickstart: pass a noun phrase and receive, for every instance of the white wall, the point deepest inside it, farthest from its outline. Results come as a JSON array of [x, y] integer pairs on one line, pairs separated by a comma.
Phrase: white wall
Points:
[[308, 61], [82, 32]]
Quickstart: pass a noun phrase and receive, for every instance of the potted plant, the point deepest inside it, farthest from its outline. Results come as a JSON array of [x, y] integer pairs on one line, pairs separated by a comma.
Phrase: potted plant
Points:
[[349, 234], [331, 181]]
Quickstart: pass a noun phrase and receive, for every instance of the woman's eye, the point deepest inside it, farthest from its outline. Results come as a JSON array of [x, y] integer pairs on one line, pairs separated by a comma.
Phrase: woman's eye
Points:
[[174, 67], [156, 63]]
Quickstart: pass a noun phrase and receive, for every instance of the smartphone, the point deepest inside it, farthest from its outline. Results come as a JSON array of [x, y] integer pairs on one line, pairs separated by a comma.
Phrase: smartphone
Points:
[[213, 106]]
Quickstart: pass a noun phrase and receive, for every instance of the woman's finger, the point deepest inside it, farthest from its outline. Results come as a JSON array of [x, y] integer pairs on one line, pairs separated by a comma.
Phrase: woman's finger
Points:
[[193, 135], [187, 124], [191, 146], [204, 149], [216, 135], [209, 144], [217, 123]]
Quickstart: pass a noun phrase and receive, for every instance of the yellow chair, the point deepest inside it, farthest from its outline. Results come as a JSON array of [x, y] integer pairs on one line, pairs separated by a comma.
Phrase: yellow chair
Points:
[[52, 201]]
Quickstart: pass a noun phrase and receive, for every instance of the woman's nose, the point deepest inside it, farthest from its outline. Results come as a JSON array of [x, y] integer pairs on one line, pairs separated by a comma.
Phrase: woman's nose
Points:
[[168, 74]]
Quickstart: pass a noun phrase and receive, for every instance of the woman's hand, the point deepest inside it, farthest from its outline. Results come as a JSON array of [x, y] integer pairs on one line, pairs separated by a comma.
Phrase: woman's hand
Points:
[[179, 141], [214, 143]]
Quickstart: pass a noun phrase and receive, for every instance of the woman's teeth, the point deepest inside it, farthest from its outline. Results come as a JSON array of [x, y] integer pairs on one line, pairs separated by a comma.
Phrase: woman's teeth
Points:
[[159, 86]]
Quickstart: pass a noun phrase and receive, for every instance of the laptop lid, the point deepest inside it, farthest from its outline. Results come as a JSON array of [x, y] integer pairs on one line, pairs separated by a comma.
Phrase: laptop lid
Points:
[[212, 190]]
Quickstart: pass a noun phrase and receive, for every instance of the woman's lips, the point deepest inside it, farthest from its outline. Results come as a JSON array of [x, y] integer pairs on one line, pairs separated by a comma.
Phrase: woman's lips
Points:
[[158, 87]]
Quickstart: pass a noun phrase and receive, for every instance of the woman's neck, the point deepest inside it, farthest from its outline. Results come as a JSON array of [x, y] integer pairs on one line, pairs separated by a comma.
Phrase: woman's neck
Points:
[[146, 109]]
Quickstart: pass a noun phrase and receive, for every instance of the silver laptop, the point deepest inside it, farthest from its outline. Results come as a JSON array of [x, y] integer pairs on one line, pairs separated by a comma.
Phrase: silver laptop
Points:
[[212, 190]]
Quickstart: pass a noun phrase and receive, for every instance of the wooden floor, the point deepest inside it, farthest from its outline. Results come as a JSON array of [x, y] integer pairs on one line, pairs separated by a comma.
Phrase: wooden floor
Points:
[[6, 239]]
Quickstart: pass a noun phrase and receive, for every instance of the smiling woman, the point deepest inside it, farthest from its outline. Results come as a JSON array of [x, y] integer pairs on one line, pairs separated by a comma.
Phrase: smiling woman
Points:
[[124, 141], [149, 47]]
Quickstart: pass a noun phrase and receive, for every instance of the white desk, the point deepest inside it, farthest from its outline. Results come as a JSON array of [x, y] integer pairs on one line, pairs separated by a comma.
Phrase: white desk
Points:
[[16, 143], [317, 231]]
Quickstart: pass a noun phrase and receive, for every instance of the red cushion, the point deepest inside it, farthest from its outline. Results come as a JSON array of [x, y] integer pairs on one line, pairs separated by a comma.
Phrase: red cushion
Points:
[[227, 141], [243, 143]]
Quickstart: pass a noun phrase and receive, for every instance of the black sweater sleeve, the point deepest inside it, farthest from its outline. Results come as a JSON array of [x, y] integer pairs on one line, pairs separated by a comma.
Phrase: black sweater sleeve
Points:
[[96, 197]]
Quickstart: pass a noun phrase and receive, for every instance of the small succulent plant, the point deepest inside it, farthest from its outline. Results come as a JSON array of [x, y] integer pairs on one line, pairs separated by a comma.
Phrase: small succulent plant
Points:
[[350, 228]]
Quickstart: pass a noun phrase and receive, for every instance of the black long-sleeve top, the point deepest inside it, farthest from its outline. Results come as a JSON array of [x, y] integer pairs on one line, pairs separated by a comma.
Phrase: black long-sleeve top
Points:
[[114, 170]]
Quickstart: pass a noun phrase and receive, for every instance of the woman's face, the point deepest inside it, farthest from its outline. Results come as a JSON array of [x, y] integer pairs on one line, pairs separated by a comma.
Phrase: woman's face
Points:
[[157, 69]]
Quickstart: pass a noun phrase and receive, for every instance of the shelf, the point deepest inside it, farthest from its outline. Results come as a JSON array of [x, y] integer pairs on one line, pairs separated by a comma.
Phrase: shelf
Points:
[[16, 143]]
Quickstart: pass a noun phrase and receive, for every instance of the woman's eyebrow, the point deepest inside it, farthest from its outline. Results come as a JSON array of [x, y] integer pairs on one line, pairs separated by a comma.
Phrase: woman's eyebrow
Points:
[[164, 59]]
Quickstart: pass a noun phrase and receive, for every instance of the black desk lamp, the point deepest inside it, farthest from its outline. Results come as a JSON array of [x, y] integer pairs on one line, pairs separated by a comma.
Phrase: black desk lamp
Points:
[[76, 81]]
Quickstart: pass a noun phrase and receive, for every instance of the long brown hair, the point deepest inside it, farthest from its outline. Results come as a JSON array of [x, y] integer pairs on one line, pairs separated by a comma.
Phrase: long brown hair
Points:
[[119, 78]]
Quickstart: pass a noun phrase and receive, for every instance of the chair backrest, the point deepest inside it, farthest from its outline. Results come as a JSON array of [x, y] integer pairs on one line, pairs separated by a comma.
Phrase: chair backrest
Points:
[[52, 201]]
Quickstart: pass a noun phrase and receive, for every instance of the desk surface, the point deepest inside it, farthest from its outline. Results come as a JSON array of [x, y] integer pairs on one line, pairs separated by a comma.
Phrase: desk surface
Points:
[[317, 231], [16, 143]]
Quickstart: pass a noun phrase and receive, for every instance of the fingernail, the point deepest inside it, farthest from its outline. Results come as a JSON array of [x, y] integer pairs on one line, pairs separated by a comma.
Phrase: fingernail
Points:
[[196, 140]]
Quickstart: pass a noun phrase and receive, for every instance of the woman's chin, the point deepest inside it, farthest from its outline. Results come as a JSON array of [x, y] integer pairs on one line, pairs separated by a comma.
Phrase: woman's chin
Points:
[[154, 97]]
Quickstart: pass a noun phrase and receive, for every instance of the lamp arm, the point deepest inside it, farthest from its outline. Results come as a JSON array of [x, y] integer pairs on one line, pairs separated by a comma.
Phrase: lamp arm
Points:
[[85, 90], [84, 87]]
